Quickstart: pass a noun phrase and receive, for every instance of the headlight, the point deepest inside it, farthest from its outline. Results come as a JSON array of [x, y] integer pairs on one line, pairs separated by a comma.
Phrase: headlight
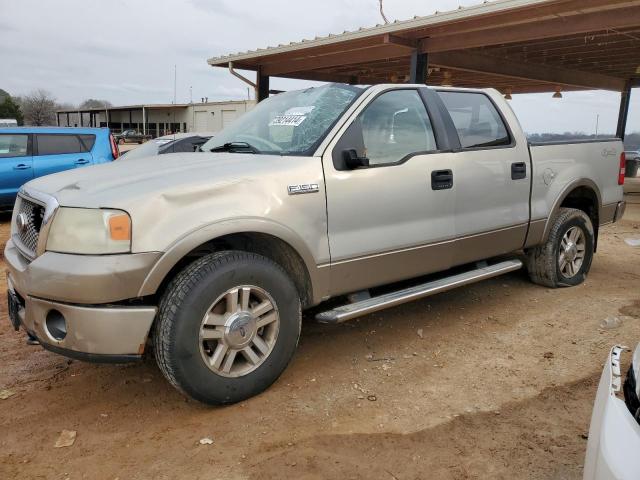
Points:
[[90, 231]]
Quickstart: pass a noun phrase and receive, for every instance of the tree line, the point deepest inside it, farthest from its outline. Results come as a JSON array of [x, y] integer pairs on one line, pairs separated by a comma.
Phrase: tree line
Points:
[[39, 107]]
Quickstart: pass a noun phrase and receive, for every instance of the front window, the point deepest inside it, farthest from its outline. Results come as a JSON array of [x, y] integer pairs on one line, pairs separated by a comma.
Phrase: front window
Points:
[[13, 145], [396, 125], [291, 123]]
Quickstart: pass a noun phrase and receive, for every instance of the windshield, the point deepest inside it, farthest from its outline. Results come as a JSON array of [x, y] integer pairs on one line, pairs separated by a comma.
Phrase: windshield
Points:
[[291, 123]]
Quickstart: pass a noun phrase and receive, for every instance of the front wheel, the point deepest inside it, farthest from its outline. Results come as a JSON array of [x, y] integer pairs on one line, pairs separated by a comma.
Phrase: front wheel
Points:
[[565, 258], [227, 327]]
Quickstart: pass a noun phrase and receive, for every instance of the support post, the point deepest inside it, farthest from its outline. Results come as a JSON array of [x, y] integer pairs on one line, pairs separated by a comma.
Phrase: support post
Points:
[[68, 121], [144, 121], [262, 86], [57, 119], [418, 68], [625, 98]]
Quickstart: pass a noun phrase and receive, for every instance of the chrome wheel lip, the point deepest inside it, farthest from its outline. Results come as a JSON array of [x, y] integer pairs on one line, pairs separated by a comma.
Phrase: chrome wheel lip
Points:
[[572, 251], [239, 331]]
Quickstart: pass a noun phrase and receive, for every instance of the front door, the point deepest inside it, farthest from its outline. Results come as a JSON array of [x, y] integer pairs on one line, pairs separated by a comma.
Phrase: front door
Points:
[[392, 219], [16, 166], [58, 152]]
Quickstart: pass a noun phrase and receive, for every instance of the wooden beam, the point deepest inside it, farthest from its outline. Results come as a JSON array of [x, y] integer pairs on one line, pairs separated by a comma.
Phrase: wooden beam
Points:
[[475, 62], [526, 13], [390, 39], [555, 27], [379, 52]]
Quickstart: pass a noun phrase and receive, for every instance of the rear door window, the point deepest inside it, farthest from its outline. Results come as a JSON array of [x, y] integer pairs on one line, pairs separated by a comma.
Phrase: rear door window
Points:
[[59, 144], [13, 145], [476, 119]]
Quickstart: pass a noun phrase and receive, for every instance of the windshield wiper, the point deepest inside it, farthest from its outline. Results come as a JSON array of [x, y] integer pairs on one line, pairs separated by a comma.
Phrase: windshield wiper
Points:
[[235, 147]]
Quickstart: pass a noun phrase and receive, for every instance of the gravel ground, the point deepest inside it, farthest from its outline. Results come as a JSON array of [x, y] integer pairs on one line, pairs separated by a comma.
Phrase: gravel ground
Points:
[[494, 380]]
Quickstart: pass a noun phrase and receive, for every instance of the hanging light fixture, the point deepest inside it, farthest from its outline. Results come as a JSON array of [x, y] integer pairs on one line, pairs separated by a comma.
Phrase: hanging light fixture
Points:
[[507, 94], [558, 93]]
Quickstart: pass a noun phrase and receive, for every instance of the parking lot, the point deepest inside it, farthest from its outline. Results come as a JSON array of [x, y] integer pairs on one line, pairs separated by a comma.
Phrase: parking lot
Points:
[[492, 380]]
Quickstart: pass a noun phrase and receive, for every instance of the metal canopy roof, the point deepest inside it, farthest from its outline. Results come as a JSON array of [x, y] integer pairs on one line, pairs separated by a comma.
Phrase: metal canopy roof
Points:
[[514, 45]]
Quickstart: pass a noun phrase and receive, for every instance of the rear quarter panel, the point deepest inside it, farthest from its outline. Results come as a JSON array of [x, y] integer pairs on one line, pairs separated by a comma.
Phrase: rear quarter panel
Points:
[[560, 168]]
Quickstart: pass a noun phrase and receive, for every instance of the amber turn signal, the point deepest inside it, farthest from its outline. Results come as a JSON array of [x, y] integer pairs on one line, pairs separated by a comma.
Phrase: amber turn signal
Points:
[[120, 227]]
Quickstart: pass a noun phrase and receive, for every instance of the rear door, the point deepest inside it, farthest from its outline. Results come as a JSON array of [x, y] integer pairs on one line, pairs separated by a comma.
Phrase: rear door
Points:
[[55, 152], [390, 220], [16, 165], [492, 174]]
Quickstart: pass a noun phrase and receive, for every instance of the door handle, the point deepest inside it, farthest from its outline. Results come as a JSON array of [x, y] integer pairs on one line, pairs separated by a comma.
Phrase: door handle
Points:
[[441, 179], [518, 171], [22, 166], [82, 161]]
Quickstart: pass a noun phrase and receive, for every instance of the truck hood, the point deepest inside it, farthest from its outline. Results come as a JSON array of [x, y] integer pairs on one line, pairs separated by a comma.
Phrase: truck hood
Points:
[[176, 176]]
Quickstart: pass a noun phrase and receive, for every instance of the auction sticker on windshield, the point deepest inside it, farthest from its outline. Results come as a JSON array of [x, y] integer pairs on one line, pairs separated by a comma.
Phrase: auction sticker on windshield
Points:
[[292, 117]]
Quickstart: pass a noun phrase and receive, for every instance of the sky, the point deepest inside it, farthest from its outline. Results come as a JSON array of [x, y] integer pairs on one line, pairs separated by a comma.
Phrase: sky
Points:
[[124, 51]]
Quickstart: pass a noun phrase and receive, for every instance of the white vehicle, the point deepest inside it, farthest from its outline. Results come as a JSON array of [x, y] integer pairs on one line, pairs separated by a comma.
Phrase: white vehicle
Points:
[[8, 122], [613, 449]]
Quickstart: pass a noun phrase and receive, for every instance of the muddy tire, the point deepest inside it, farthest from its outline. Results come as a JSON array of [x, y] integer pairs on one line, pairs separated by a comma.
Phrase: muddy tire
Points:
[[565, 258], [227, 326]]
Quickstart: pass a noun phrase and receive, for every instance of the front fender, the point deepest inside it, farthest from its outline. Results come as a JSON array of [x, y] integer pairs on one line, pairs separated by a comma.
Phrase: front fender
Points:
[[318, 275]]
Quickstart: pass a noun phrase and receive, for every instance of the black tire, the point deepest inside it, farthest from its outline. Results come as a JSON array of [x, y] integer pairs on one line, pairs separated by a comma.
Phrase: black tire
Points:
[[183, 306], [543, 261], [631, 170], [121, 141]]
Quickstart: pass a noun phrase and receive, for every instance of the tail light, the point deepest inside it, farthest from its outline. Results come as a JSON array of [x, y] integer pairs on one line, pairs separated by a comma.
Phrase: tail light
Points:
[[114, 147], [621, 172]]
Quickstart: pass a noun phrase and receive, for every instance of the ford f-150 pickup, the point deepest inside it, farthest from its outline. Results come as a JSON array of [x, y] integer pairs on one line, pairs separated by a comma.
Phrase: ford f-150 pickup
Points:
[[334, 192]]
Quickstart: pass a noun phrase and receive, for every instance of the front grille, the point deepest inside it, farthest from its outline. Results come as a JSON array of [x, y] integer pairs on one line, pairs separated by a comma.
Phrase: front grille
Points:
[[27, 223]]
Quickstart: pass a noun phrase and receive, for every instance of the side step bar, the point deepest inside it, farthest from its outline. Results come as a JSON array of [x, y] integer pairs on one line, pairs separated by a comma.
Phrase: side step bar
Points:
[[374, 304]]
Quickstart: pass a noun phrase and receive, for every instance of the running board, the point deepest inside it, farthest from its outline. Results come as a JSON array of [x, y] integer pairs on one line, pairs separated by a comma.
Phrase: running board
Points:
[[374, 304]]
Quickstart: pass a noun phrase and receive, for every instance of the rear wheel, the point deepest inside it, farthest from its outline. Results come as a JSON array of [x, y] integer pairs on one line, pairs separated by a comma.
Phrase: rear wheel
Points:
[[227, 327], [631, 170], [565, 258]]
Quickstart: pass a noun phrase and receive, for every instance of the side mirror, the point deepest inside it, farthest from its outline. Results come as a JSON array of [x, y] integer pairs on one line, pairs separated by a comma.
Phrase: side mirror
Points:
[[352, 160]]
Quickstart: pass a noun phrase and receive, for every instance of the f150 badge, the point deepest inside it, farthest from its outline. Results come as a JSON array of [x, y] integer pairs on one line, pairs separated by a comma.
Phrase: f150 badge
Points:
[[304, 188]]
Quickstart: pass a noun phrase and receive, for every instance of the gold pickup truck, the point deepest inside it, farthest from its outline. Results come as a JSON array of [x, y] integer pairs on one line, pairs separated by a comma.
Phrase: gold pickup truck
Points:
[[210, 257]]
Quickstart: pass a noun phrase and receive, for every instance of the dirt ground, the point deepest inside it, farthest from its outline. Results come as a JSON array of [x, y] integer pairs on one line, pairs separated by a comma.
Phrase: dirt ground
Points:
[[494, 380]]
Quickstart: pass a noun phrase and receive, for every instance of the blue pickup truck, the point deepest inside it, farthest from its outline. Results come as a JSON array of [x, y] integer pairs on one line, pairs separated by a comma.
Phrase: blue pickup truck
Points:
[[30, 152]]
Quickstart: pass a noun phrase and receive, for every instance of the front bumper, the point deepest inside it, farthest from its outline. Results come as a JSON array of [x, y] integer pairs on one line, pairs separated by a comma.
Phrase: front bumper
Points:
[[83, 279], [81, 290], [614, 435], [108, 333]]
